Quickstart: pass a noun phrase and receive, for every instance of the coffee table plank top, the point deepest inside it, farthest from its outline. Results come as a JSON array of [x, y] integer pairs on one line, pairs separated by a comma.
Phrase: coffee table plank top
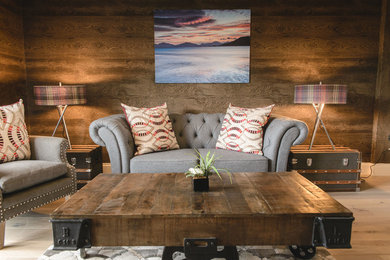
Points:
[[171, 195]]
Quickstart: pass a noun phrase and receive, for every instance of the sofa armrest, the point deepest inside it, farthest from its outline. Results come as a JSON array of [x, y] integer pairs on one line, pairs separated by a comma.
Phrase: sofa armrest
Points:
[[280, 134], [114, 133]]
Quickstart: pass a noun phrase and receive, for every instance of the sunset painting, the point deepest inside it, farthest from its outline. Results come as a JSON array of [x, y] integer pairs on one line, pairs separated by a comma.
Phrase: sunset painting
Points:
[[202, 46]]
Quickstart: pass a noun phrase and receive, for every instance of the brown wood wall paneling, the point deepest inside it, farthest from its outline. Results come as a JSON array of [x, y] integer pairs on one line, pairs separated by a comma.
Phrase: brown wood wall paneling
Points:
[[12, 63], [381, 133], [146, 7], [108, 45]]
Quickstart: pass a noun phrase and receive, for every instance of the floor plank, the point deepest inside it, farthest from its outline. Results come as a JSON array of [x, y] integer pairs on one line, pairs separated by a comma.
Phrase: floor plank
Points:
[[371, 209]]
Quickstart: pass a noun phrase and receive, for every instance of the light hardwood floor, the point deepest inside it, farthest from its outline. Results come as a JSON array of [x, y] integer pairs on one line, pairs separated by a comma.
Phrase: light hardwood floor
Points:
[[28, 236], [371, 209]]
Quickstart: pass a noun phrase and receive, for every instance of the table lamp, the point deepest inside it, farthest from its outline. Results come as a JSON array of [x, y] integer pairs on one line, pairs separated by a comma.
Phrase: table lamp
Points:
[[60, 96], [319, 95]]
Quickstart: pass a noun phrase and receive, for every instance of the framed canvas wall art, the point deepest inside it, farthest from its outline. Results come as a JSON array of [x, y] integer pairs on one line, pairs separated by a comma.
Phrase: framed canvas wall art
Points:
[[202, 46]]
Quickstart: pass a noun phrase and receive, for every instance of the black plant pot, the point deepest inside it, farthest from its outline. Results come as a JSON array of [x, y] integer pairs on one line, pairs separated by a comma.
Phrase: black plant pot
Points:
[[201, 184]]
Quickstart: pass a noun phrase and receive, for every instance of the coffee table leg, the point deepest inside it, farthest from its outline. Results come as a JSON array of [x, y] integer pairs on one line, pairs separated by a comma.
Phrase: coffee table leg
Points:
[[169, 250], [82, 253]]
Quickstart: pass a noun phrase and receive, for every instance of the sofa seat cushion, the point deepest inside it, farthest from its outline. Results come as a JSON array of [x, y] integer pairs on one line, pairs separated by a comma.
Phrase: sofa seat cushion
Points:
[[237, 161], [168, 161], [18, 175]]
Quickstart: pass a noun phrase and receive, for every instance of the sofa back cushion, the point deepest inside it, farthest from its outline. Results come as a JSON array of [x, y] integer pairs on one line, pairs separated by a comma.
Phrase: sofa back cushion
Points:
[[197, 130]]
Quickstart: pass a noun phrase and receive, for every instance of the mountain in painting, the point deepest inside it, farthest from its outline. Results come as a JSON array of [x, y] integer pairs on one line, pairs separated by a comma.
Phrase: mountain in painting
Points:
[[210, 44], [186, 45], [242, 41], [164, 45]]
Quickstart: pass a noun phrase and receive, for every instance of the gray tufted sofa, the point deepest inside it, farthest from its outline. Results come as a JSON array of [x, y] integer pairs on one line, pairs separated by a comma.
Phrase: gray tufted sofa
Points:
[[196, 131]]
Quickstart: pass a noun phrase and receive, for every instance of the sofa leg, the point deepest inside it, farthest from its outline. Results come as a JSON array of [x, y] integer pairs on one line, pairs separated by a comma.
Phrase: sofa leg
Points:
[[2, 233]]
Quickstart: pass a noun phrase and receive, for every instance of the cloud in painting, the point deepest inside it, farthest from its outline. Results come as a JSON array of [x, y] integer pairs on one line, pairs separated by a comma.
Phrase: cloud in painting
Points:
[[194, 21], [200, 26], [180, 18], [162, 29]]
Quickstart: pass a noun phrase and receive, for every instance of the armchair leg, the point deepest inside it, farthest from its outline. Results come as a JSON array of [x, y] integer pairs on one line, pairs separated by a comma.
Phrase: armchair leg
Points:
[[2, 233]]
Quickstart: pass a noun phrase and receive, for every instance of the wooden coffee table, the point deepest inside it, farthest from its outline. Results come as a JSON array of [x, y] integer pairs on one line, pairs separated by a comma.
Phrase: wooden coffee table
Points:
[[161, 209]]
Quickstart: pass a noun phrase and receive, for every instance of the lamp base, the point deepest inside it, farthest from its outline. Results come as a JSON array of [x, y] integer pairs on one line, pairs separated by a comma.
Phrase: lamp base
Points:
[[319, 108], [61, 112]]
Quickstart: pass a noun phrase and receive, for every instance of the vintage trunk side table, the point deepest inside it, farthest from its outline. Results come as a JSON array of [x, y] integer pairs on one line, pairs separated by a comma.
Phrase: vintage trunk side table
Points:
[[331, 170], [87, 159]]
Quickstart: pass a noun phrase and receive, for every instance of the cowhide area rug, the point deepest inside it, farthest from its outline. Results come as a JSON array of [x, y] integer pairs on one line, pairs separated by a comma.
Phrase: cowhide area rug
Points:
[[155, 253]]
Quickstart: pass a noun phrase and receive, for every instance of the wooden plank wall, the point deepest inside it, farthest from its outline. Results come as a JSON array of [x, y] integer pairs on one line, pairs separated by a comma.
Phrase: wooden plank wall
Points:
[[381, 133], [12, 65], [108, 45]]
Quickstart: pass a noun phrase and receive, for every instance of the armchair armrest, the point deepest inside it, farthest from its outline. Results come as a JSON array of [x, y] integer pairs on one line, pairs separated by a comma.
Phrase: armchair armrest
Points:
[[49, 148], [114, 133], [280, 134]]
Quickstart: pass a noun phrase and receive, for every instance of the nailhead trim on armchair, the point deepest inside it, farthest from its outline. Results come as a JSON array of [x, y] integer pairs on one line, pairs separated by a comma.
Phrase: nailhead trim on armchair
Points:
[[45, 198]]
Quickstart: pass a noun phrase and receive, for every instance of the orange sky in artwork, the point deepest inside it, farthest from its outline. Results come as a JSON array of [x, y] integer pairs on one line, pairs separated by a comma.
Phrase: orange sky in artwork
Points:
[[200, 26]]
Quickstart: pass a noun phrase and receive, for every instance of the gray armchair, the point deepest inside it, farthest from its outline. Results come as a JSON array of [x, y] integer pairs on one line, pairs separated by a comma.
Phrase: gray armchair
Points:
[[28, 184]]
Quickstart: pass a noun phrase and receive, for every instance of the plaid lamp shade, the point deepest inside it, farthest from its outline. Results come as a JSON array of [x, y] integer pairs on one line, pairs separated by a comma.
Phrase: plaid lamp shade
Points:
[[320, 94], [60, 95]]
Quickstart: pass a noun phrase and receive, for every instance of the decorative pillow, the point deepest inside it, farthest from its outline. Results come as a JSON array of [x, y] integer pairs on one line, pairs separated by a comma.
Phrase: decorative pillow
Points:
[[151, 128], [242, 129], [14, 140]]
